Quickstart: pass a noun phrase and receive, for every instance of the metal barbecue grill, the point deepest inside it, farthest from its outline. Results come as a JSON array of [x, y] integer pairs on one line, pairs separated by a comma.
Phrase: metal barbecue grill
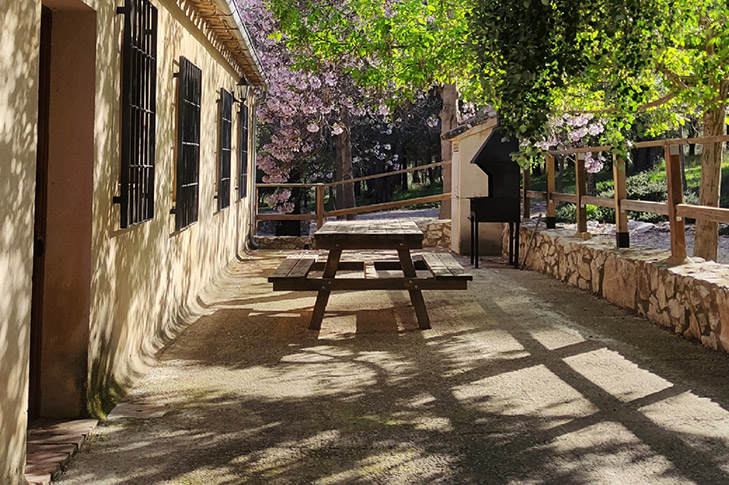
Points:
[[503, 201]]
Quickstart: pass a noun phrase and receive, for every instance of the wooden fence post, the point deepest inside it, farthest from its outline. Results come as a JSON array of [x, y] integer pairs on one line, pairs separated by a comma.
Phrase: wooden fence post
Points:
[[675, 197], [319, 205], [581, 190], [526, 201], [551, 208], [622, 236], [255, 210]]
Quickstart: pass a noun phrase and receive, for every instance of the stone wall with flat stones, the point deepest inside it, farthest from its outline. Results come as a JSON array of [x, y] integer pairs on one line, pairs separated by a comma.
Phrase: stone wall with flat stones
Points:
[[691, 299], [436, 233]]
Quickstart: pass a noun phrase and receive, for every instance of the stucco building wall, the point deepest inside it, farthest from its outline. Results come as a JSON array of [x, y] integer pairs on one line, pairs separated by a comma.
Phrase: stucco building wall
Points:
[[117, 294], [470, 181], [19, 31]]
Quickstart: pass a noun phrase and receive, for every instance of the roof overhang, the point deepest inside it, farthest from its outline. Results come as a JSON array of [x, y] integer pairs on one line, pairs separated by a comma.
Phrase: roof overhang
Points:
[[231, 38]]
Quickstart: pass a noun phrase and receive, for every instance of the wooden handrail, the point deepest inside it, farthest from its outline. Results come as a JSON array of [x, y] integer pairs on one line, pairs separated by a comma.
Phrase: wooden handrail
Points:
[[387, 205], [535, 194], [598, 201], [701, 140], [714, 214], [285, 185], [388, 174], [645, 206], [286, 217], [562, 197]]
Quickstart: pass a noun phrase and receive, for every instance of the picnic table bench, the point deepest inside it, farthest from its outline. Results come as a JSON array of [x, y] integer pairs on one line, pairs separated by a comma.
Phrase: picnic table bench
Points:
[[427, 271]]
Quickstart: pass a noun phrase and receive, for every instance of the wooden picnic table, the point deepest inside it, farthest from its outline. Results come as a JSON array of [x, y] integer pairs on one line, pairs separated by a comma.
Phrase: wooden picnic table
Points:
[[402, 236]]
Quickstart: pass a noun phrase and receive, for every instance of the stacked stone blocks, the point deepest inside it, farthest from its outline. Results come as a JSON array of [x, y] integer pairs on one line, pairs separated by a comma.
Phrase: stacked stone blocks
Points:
[[690, 299]]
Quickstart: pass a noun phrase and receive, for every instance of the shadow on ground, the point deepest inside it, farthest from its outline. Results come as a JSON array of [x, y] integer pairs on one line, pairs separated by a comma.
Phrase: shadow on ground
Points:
[[522, 379]]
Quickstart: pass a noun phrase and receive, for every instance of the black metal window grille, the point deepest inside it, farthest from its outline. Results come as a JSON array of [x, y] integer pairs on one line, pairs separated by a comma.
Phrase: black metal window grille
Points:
[[138, 112], [243, 151], [225, 126], [188, 143]]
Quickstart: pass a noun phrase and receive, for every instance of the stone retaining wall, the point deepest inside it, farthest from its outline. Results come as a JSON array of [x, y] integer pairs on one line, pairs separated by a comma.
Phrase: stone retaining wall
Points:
[[437, 233], [691, 299]]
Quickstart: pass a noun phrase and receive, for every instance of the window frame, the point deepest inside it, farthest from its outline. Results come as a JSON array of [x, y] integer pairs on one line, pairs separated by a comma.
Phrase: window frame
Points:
[[138, 113], [225, 148], [187, 166], [244, 130]]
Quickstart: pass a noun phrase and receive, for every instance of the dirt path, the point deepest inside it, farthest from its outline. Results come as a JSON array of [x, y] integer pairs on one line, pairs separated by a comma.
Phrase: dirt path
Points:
[[521, 380]]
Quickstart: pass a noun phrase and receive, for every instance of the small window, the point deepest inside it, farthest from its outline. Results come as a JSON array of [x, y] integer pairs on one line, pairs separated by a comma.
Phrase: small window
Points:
[[225, 122], [138, 112], [243, 151], [187, 184]]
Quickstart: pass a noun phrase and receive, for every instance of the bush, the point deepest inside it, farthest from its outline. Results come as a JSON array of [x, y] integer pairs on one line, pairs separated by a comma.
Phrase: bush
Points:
[[638, 187]]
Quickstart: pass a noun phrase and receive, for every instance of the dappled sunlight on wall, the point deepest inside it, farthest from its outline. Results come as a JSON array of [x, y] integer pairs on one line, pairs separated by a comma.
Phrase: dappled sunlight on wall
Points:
[[144, 277], [19, 33]]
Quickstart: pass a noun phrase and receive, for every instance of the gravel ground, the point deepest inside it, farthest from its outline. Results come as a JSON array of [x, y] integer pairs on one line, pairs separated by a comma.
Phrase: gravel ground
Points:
[[521, 380]]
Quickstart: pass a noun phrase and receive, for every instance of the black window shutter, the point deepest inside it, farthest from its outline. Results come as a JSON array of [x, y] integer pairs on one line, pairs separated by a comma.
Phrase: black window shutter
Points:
[[188, 143], [225, 123], [138, 112], [243, 152]]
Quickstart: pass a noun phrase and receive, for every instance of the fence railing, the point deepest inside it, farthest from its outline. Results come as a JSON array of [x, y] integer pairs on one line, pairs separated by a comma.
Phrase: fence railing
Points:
[[674, 207], [320, 214]]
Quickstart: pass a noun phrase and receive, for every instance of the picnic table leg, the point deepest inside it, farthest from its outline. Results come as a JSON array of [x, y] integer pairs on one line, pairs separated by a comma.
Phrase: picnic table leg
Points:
[[416, 296], [330, 270]]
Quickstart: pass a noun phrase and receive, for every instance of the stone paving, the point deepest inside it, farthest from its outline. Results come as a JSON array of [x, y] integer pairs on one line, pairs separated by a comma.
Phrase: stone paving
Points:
[[522, 379]]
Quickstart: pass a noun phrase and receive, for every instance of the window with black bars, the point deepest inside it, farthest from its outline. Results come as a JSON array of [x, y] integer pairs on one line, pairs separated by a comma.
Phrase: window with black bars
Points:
[[225, 123], [243, 151], [189, 88], [138, 112]]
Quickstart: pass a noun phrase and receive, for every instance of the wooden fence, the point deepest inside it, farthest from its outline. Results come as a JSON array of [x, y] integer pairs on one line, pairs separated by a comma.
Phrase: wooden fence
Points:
[[674, 208], [321, 214]]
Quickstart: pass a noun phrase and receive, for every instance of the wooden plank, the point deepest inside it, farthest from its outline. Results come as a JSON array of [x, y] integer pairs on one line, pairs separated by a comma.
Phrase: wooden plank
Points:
[[330, 271], [285, 217], [366, 284], [644, 206], [622, 235], [289, 185], [598, 201], [702, 140], [416, 296], [387, 205], [454, 266], [444, 266], [535, 194], [675, 197], [551, 206], [283, 269], [715, 214], [562, 197], [319, 205], [302, 268], [343, 266], [569, 151], [390, 174], [581, 191], [435, 265]]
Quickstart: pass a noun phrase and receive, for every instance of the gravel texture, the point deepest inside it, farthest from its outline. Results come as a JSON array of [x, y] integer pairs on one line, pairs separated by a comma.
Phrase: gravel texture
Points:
[[521, 380]]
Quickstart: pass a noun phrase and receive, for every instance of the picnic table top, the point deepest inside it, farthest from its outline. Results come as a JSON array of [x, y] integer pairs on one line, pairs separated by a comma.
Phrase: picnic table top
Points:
[[369, 234]]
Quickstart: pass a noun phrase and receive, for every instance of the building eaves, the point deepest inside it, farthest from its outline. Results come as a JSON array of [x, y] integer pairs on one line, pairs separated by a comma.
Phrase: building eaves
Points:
[[229, 35]]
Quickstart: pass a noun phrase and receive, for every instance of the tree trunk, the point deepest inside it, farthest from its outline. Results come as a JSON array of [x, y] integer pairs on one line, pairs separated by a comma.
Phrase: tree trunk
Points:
[[343, 165], [707, 232], [448, 121]]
